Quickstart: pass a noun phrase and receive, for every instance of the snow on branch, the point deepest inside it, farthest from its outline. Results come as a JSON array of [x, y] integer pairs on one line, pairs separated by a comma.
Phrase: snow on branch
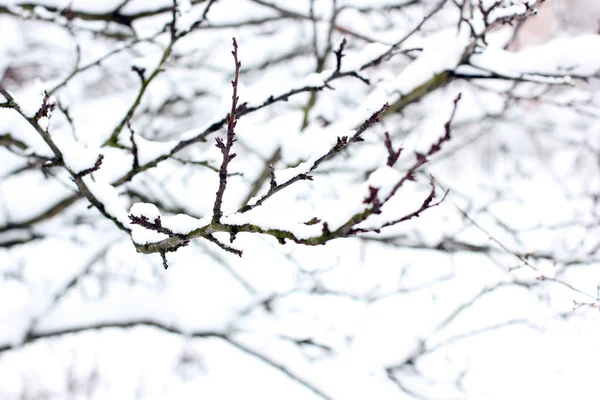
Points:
[[251, 220], [441, 60], [138, 135], [71, 160]]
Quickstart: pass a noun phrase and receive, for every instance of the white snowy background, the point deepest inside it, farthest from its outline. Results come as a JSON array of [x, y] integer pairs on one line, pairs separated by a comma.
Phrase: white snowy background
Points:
[[493, 294]]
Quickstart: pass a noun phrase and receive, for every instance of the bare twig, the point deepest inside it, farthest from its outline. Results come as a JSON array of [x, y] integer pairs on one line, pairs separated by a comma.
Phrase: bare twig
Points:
[[134, 148], [230, 139], [399, 43], [342, 142]]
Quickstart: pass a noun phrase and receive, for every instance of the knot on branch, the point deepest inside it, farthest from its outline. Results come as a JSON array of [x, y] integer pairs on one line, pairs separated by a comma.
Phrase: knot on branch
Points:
[[140, 71], [305, 177], [341, 142], [339, 53], [373, 199], [172, 249], [422, 158], [393, 155], [326, 231], [46, 108], [313, 221]]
